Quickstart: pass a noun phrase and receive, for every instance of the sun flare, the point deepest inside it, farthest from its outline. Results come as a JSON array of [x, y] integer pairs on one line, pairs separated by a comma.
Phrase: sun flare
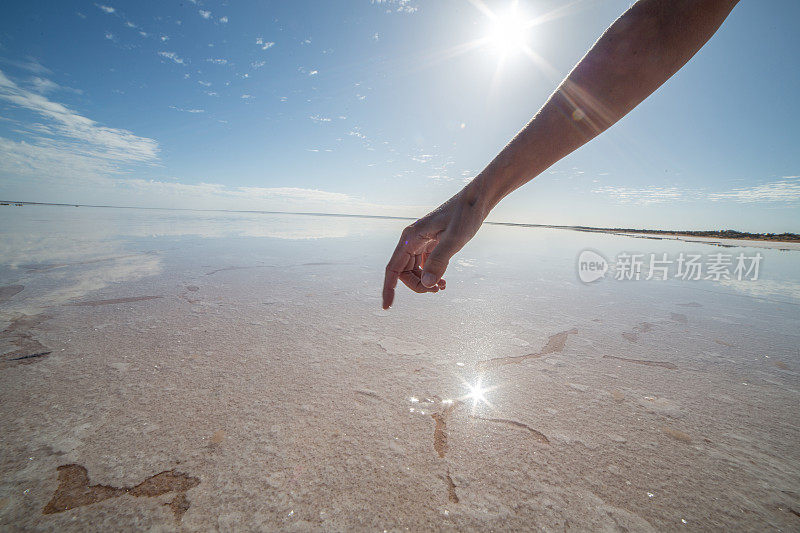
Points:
[[508, 33], [477, 393]]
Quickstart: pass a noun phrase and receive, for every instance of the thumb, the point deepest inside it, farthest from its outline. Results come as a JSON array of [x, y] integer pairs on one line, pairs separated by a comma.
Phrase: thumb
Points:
[[436, 264]]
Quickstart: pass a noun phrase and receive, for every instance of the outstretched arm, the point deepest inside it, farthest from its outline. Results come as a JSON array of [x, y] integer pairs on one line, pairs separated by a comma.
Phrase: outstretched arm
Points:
[[639, 52]]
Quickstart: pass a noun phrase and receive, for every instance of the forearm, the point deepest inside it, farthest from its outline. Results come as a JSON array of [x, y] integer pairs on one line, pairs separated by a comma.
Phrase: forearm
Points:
[[634, 57]]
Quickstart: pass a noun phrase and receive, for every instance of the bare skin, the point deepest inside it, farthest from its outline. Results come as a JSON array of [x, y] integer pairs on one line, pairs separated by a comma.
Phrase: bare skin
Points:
[[635, 56]]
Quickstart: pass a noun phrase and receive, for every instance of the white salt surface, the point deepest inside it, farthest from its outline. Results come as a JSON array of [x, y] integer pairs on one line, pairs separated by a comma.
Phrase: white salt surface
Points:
[[234, 371]]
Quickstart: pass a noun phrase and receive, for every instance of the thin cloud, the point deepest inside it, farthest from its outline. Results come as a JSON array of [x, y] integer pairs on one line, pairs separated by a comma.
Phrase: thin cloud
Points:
[[642, 195], [223, 20], [44, 85], [299, 199], [265, 45], [205, 14], [194, 111], [397, 6], [106, 9], [784, 190], [30, 64], [218, 61], [172, 56], [64, 143]]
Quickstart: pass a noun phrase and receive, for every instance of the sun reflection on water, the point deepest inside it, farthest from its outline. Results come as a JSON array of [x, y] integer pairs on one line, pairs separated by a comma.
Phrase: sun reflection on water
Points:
[[477, 393]]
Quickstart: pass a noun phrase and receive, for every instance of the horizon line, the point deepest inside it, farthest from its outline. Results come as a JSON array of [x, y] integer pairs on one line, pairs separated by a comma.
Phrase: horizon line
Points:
[[740, 234]]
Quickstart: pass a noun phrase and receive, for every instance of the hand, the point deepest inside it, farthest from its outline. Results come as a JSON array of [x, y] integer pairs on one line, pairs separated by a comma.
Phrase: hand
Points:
[[426, 246]]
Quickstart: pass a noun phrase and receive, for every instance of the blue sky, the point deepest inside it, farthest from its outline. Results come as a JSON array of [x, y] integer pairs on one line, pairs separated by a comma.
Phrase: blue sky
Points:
[[384, 108]]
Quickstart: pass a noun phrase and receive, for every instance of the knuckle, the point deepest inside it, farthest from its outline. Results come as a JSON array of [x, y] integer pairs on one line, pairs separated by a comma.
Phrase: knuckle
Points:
[[438, 262]]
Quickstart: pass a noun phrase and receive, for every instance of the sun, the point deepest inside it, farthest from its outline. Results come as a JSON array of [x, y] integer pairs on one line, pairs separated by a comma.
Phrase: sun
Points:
[[508, 33]]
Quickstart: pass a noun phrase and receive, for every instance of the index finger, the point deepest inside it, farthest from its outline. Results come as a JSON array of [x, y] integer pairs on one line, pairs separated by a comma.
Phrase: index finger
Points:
[[397, 264]]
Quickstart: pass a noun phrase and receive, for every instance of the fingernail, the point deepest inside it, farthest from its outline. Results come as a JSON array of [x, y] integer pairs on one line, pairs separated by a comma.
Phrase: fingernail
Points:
[[428, 279]]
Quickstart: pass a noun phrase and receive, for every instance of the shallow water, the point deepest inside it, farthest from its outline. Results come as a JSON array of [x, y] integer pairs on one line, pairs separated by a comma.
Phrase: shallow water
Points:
[[211, 370]]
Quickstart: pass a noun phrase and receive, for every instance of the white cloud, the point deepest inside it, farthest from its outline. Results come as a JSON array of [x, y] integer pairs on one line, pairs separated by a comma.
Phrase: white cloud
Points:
[[205, 14], [65, 156], [258, 64], [218, 61], [217, 196], [63, 143], [187, 110], [786, 190], [313, 72], [106, 9], [264, 44], [173, 56], [204, 83], [109, 36], [43, 85], [130, 24], [164, 38], [246, 96], [46, 160], [642, 195], [397, 6], [30, 64], [223, 20], [319, 119]]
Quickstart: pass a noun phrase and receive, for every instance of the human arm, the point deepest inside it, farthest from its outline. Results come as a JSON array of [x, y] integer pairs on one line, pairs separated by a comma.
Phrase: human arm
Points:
[[640, 51]]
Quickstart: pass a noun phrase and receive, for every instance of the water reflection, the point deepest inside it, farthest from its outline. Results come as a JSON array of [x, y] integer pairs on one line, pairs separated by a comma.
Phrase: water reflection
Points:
[[61, 254]]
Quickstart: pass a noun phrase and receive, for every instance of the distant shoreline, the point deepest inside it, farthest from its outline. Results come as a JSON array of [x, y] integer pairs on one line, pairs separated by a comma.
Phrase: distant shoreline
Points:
[[644, 233]]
